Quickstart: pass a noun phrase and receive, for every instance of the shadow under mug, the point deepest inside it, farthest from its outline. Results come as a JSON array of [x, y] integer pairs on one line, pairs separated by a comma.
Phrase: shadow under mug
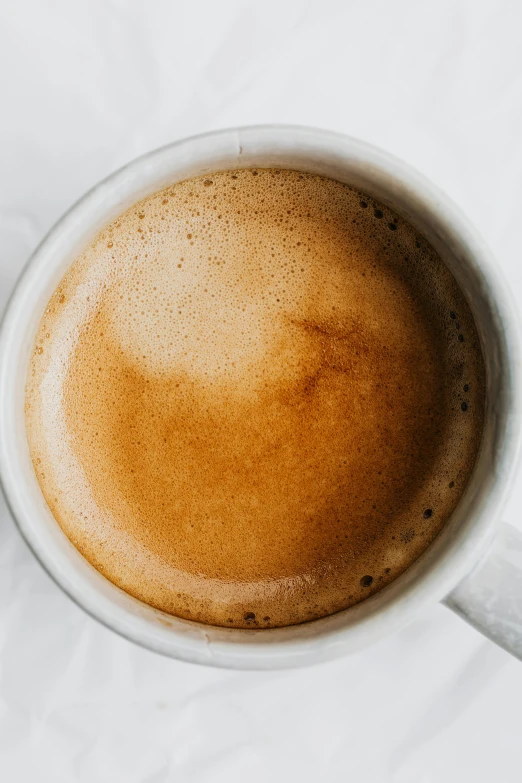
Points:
[[474, 564]]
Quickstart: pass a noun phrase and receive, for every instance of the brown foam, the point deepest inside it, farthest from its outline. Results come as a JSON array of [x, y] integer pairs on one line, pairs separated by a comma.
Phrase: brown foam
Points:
[[244, 404]]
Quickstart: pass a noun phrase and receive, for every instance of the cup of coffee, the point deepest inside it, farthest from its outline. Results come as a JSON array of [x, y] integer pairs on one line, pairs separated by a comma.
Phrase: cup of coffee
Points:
[[259, 403]]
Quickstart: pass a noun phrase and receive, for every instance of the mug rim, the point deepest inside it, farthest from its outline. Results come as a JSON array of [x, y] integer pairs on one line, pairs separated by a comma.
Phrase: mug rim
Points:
[[429, 578]]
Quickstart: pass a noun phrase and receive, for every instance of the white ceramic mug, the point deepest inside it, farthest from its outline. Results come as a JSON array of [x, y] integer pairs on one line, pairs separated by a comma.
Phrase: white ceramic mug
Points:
[[474, 565]]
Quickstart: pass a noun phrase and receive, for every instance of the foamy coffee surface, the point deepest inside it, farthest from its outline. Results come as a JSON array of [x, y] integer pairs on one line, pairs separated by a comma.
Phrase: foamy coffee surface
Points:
[[255, 398]]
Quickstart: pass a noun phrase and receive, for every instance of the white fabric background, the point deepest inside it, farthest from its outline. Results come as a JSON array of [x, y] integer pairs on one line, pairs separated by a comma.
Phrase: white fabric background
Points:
[[86, 85]]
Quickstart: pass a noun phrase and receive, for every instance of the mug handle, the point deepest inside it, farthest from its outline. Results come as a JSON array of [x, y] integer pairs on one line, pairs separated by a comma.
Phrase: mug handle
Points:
[[490, 598]]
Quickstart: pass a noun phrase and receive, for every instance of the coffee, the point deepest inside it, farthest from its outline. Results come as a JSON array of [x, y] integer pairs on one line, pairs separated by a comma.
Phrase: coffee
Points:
[[255, 398]]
